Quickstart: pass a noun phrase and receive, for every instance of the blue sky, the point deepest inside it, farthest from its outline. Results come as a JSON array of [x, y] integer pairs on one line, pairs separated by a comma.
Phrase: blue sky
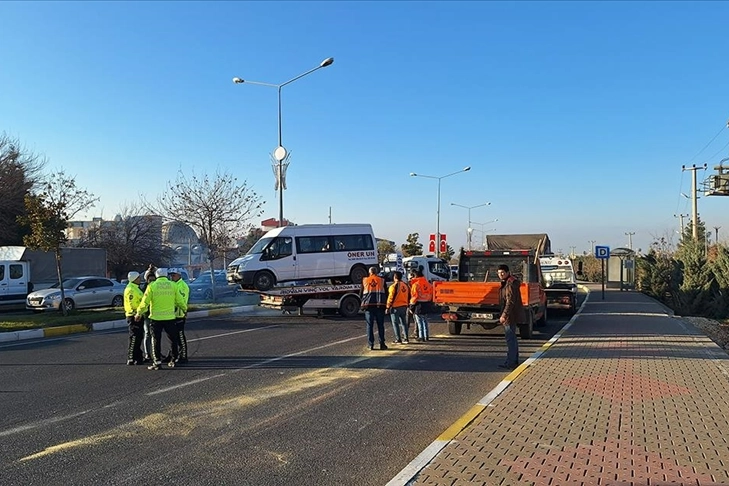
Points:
[[575, 117]]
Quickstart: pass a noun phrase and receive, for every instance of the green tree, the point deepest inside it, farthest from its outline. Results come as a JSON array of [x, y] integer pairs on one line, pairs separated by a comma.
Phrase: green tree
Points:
[[412, 247], [697, 277], [19, 174], [448, 255], [688, 232], [384, 247], [47, 215]]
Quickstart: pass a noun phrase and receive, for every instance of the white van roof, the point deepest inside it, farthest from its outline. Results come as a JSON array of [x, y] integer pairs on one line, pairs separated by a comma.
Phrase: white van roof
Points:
[[318, 229]]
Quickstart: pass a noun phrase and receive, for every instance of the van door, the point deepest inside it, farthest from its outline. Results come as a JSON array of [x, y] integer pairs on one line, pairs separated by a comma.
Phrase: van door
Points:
[[3, 281], [315, 257], [280, 259], [13, 281]]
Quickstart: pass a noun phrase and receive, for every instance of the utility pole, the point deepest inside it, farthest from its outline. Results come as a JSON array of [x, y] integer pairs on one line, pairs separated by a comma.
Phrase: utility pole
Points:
[[716, 228], [630, 234], [330, 215], [592, 246], [694, 200], [680, 218], [572, 254]]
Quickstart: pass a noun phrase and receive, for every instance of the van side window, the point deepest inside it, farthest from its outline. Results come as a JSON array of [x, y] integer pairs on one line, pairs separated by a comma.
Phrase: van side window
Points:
[[353, 243], [279, 248], [313, 244], [2, 272], [16, 271]]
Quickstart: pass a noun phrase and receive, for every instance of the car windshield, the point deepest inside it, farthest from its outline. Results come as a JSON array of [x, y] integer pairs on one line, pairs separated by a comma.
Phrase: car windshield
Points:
[[68, 283], [259, 246]]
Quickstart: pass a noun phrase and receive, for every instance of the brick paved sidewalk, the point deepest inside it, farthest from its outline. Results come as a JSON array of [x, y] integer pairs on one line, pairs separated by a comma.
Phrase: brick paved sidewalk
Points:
[[626, 395]]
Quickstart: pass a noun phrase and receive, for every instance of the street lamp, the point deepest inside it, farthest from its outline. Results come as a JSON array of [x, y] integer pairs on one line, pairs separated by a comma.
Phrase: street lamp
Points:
[[280, 154], [437, 220], [483, 232], [469, 230]]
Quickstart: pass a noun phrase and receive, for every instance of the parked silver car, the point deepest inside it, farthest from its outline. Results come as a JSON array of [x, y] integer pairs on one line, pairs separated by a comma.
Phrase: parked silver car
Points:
[[80, 293]]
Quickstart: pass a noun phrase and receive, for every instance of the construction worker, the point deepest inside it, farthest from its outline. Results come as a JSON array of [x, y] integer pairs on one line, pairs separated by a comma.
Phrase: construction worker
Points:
[[132, 298], [147, 340], [421, 296], [397, 307], [162, 299], [181, 315], [374, 299]]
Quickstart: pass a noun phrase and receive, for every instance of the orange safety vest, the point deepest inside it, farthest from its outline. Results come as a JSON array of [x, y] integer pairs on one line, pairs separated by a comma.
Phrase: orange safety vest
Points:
[[401, 299], [373, 292], [421, 290]]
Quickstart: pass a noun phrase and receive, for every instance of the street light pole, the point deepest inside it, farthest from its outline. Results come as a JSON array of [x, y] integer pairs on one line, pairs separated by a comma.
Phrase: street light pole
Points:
[[280, 154], [483, 232], [437, 219], [469, 230], [630, 234]]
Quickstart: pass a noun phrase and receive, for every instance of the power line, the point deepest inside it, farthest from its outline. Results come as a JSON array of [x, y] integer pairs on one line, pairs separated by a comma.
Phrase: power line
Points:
[[707, 145], [720, 151]]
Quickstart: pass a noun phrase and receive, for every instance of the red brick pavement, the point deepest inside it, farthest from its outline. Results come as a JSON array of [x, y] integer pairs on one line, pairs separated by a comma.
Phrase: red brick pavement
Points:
[[625, 395]]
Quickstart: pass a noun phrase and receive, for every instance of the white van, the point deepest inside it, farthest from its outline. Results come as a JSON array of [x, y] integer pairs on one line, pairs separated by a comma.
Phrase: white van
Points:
[[338, 252], [14, 282], [433, 268]]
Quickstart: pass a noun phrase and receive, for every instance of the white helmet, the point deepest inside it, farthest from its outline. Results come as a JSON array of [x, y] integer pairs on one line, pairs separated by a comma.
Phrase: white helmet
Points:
[[161, 272], [132, 276]]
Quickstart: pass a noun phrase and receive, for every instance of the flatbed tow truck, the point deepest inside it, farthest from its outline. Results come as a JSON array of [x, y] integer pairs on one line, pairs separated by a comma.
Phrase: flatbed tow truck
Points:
[[324, 299]]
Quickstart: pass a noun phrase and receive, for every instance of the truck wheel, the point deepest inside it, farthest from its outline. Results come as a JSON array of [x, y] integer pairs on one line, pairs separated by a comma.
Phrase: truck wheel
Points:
[[263, 281], [543, 320], [454, 327], [117, 301], [525, 330], [349, 306], [573, 306], [357, 273]]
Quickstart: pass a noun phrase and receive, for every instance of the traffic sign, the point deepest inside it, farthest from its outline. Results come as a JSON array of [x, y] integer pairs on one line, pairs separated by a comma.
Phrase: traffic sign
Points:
[[602, 252]]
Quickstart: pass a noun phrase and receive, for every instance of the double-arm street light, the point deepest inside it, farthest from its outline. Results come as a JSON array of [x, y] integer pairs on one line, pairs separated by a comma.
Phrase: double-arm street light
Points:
[[469, 230], [437, 220], [280, 154], [483, 232]]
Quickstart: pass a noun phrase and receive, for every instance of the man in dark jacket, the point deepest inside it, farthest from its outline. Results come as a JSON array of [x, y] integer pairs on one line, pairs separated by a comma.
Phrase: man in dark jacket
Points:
[[374, 300], [512, 314]]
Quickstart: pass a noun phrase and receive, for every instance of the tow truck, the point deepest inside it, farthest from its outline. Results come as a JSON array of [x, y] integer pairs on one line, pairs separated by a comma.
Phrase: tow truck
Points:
[[322, 298]]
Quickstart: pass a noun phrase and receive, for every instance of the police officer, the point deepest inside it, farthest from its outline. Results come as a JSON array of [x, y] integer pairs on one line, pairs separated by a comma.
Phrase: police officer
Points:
[[181, 315], [147, 340], [161, 298], [132, 298]]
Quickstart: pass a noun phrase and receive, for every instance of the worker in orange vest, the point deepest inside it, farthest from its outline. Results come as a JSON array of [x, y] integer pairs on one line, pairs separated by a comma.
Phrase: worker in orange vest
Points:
[[421, 296], [374, 299]]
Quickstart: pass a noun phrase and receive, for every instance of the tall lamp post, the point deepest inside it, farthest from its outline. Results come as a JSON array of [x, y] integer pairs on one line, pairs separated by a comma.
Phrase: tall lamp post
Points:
[[280, 153], [437, 219], [483, 232], [469, 230]]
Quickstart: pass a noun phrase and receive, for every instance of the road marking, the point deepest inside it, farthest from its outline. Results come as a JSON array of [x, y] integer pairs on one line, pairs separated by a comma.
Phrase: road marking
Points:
[[254, 365]]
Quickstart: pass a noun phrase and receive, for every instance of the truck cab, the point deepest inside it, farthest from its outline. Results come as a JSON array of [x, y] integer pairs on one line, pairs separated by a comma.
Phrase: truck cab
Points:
[[434, 269], [560, 283]]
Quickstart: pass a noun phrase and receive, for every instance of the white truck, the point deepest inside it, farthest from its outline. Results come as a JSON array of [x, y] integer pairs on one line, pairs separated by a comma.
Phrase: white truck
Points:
[[23, 270], [560, 283], [434, 268]]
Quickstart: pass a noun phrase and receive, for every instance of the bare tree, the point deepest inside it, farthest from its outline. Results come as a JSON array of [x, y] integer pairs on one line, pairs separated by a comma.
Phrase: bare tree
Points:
[[48, 214], [131, 241], [19, 172], [216, 208]]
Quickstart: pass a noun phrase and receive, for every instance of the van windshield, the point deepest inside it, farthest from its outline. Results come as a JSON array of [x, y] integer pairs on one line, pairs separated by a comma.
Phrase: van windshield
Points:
[[259, 246]]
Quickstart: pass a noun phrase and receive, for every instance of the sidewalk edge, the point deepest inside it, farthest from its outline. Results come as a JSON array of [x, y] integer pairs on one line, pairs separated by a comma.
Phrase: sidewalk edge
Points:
[[410, 472]]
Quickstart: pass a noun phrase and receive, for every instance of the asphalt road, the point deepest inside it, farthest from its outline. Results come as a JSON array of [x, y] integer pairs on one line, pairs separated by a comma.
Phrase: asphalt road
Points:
[[265, 400]]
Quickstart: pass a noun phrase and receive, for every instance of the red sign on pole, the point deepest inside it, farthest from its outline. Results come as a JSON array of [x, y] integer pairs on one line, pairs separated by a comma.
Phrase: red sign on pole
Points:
[[443, 245], [431, 245]]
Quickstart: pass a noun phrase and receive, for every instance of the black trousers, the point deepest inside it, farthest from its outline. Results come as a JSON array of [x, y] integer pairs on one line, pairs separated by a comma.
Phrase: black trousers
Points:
[[181, 338], [136, 335], [170, 328]]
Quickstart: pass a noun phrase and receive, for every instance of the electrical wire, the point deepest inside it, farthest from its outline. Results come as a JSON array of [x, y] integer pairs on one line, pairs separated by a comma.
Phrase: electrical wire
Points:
[[707, 145], [717, 153]]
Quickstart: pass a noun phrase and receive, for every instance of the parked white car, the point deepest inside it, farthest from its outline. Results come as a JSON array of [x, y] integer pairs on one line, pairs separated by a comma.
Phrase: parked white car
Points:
[[80, 293]]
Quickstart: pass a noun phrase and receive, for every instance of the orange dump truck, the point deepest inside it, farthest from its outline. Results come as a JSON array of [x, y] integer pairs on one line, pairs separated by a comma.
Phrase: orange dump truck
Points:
[[474, 298]]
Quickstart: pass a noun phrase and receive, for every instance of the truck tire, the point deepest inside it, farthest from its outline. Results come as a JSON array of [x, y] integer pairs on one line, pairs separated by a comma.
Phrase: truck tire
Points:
[[543, 320], [525, 330], [357, 273], [264, 280], [349, 306], [454, 327]]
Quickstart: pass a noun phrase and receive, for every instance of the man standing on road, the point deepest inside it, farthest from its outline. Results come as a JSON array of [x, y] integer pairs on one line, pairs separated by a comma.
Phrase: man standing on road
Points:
[[147, 340], [132, 298], [421, 296], [397, 306], [184, 290], [161, 298], [512, 313], [374, 299]]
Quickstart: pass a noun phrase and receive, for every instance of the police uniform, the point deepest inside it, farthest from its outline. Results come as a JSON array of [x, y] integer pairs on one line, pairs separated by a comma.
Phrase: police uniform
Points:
[[132, 298]]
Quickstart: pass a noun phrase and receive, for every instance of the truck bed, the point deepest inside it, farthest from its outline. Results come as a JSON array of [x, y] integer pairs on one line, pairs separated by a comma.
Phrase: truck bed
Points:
[[479, 293]]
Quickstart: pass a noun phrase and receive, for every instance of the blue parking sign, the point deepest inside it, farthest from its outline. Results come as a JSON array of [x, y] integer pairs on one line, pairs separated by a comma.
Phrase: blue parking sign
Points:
[[602, 252]]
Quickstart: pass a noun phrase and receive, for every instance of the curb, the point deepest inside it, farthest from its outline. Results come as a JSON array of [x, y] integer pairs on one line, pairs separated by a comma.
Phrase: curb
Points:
[[410, 472], [107, 325]]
